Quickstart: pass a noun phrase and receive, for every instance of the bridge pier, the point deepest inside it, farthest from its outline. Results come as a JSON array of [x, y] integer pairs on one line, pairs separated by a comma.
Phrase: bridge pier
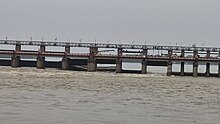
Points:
[[169, 63], [92, 65], [65, 63], [219, 67], [195, 69], [207, 70], [65, 60], [219, 70], [182, 70], [40, 62], [144, 62], [119, 61], [15, 59], [41, 59], [208, 65], [195, 64], [169, 68]]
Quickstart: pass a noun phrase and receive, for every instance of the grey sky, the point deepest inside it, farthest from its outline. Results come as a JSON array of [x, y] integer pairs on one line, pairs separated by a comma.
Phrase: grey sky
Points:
[[162, 21]]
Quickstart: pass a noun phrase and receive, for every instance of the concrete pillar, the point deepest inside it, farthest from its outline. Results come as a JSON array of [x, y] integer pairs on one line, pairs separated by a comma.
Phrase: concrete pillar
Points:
[[92, 65], [219, 70], [40, 62], [144, 62], [195, 54], [219, 67], [15, 59], [182, 63], [119, 61], [65, 63], [65, 60], [169, 63], [67, 49], [18, 47], [207, 74], [40, 58], [42, 48], [208, 65], [169, 68], [195, 64], [182, 69], [195, 68]]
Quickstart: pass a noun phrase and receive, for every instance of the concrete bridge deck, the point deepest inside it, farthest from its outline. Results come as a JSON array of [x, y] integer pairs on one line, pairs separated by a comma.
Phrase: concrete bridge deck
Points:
[[106, 56], [103, 45]]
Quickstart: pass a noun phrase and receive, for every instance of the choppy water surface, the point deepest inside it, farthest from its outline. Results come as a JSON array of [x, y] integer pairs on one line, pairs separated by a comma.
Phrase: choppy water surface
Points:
[[52, 96]]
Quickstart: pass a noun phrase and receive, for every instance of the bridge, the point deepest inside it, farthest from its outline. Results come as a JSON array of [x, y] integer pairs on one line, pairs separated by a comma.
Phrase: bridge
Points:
[[124, 52]]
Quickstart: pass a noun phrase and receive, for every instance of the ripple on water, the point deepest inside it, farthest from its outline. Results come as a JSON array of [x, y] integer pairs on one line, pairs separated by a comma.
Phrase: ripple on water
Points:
[[53, 96]]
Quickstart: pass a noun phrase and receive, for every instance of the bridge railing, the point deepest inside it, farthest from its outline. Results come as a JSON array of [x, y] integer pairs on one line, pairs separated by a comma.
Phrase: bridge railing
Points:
[[103, 45]]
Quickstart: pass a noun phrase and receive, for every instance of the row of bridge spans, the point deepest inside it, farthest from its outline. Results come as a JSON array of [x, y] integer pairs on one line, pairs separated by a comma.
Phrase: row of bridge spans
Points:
[[94, 54]]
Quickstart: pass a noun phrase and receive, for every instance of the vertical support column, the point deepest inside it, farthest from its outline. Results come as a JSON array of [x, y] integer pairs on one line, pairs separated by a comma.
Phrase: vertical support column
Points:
[[119, 61], [65, 60], [92, 65], [18, 47], [219, 70], [182, 63], [15, 59], [40, 58], [169, 63], [219, 66], [195, 64], [208, 65], [144, 62]]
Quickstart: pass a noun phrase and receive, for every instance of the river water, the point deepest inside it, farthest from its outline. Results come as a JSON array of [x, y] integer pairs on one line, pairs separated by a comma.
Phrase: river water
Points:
[[51, 96]]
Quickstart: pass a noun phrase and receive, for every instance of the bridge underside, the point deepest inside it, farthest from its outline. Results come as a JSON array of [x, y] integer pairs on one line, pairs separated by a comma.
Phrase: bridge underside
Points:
[[75, 64]]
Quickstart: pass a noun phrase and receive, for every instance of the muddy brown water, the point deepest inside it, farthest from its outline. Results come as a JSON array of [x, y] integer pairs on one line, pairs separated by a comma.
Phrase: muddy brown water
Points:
[[51, 96]]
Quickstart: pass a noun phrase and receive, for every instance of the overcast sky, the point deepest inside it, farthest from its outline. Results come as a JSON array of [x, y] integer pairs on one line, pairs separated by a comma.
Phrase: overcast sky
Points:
[[163, 21]]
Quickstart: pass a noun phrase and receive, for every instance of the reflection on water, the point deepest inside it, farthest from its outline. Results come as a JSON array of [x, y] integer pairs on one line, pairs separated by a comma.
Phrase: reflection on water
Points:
[[53, 97]]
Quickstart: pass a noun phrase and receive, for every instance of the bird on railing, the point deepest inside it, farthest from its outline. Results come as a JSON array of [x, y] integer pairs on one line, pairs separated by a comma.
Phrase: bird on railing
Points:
[[55, 39]]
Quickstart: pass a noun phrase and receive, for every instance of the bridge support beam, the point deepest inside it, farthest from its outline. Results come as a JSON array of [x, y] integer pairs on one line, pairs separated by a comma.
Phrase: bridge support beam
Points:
[[41, 59], [182, 70], [195, 64], [40, 62], [65, 63], [65, 60], [169, 63], [207, 74], [219, 70], [18, 47], [169, 68], [119, 61], [92, 65], [144, 62], [208, 65], [15, 59], [219, 67], [195, 69]]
